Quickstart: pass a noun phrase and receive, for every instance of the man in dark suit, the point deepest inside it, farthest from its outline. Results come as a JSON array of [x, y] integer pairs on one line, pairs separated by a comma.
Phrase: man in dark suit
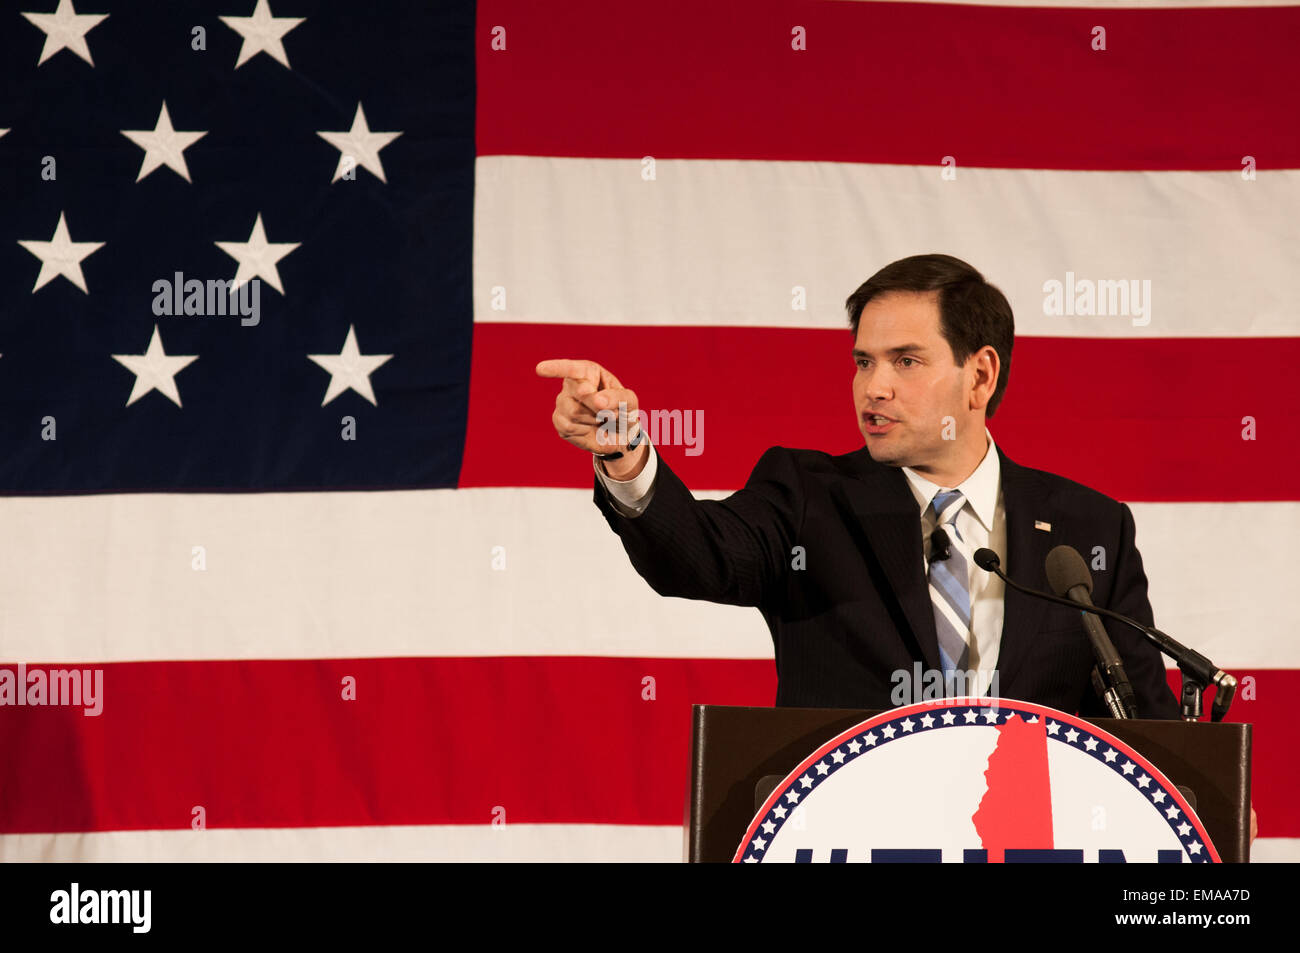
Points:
[[862, 564]]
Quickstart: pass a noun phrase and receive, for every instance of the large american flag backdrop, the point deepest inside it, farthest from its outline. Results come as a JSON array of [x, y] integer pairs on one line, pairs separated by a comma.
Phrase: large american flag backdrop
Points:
[[347, 590]]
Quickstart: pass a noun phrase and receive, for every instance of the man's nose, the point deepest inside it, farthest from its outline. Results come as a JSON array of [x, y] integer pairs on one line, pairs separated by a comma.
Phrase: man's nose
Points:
[[878, 385]]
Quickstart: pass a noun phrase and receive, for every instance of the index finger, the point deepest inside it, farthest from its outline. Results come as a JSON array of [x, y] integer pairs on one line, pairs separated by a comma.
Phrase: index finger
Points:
[[577, 370]]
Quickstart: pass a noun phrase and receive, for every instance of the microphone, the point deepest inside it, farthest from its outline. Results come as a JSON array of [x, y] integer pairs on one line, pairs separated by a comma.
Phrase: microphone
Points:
[[1069, 576], [939, 543], [988, 560], [1114, 699], [1196, 668]]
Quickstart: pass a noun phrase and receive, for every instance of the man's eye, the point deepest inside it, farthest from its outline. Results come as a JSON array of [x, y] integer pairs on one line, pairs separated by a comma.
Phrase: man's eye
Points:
[[861, 362], [912, 359]]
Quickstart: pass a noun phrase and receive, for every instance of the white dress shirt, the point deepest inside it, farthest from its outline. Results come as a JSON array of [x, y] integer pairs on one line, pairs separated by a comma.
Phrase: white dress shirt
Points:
[[982, 522], [630, 497]]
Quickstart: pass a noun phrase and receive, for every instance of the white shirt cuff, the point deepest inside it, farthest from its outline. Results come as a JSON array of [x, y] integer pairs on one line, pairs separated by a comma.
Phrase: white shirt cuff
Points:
[[630, 497]]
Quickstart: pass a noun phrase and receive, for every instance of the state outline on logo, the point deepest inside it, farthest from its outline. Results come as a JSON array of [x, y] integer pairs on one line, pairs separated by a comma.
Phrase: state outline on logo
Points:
[[893, 724]]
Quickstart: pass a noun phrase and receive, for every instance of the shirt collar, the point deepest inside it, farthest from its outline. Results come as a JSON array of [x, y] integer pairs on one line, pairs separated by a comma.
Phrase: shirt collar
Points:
[[980, 488]]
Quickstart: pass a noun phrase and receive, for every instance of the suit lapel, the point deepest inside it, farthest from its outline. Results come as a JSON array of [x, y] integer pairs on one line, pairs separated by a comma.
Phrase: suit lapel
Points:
[[1025, 500], [890, 523]]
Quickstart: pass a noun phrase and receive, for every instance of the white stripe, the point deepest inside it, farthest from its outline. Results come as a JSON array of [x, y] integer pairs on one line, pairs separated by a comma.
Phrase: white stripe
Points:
[[1216, 578], [727, 242], [330, 575], [601, 843], [324, 575], [510, 842], [1275, 850]]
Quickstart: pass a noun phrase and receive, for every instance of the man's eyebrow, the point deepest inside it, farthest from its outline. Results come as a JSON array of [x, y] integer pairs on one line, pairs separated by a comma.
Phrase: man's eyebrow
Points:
[[901, 349]]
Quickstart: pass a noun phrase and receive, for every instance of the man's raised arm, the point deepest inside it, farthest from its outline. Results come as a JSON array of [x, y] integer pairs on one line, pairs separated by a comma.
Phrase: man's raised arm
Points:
[[734, 551], [587, 391]]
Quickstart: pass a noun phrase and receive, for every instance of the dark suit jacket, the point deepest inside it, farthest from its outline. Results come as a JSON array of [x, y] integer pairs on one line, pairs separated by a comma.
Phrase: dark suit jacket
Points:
[[860, 609]]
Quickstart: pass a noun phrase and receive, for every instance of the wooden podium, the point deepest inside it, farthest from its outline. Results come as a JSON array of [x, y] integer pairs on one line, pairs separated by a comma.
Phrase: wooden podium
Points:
[[738, 754]]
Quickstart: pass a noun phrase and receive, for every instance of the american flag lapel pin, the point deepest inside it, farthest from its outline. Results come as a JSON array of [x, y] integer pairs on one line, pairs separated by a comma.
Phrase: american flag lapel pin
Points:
[[1045, 527]]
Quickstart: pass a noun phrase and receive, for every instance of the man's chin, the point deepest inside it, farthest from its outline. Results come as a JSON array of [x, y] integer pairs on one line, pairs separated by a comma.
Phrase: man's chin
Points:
[[889, 456]]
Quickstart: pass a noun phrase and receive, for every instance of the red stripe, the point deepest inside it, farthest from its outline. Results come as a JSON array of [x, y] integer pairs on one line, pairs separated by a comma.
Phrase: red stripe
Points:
[[899, 83], [1141, 420], [427, 741]]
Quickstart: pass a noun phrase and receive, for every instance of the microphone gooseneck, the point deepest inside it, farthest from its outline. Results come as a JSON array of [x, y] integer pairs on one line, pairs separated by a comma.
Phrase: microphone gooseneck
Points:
[[1069, 576], [1196, 668]]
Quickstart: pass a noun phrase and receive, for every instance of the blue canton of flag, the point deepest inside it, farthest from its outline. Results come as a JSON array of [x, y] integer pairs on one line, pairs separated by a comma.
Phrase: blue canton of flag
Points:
[[317, 159]]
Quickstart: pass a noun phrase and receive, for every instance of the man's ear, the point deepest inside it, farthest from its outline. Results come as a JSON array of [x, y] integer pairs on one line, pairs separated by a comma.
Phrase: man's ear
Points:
[[985, 366]]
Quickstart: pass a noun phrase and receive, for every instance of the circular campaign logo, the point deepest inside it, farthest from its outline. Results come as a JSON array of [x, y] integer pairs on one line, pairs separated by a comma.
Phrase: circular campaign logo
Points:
[[968, 780]]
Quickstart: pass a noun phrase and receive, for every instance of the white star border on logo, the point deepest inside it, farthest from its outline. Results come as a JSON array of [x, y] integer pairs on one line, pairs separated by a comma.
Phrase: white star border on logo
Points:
[[978, 714]]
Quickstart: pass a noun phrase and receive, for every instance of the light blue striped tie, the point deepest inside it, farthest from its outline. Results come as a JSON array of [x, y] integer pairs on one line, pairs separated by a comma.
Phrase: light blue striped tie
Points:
[[950, 588]]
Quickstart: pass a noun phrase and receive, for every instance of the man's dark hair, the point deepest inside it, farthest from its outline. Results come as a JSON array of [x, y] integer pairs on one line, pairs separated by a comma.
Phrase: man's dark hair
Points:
[[972, 313]]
